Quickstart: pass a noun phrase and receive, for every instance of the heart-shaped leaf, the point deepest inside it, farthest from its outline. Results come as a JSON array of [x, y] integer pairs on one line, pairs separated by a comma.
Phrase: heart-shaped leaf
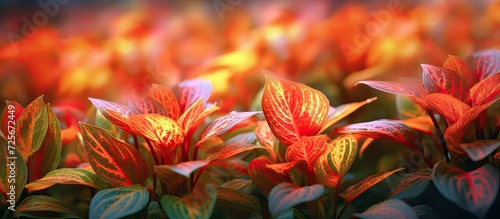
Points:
[[393, 208], [11, 112], [448, 106], [486, 63], [473, 191], [386, 130], [439, 80], [118, 202], [158, 128], [264, 178], [411, 185], [192, 90], [167, 99], [459, 66], [185, 168], [286, 195], [293, 110], [354, 191], [308, 149], [115, 113], [343, 111], [198, 204], [46, 158], [237, 200], [415, 91], [114, 161], [224, 123], [42, 206], [486, 90], [194, 115], [480, 149], [336, 161], [68, 176], [31, 127], [11, 160]]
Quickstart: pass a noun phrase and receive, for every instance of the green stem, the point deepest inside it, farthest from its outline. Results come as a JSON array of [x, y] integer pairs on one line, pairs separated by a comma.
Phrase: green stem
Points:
[[151, 148], [336, 197], [440, 134], [343, 209]]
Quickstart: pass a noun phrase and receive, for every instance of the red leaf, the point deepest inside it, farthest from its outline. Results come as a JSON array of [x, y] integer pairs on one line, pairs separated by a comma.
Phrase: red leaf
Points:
[[167, 99], [223, 124], [308, 149], [145, 105], [293, 110], [266, 137], [386, 130], [283, 168], [226, 150], [16, 112], [486, 63], [439, 80], [262, 176], [459, 66], [158, 128], [194, 115], [113, 160], [192, 90], [486, 90], [31, 128], [449, 107], [115, 113], [413, 91], [340, 112]]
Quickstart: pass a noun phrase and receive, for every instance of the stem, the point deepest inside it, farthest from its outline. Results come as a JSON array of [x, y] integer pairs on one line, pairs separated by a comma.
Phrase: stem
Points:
[[427, 160], [343, 209], [335, 198], [440, 134], [197, 177], [151, 148], [136, 142]]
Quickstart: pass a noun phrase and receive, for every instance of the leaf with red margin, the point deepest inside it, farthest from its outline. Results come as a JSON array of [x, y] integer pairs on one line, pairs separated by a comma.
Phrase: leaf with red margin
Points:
[[115, 113], [262, 176], [336, 160], [480, 149], [473, 191], [458, 65], [354, 191], [293, 110], [226, 150], [308, 149], [21, 170], [486, 90], [448, 106], [286, 195], [224, 123], [158, 128], [144, 105], [415, 93], [342, 111], [266, 137], [31, 128], [486, 63], [439, 80], [167, 99], [283, 168], [16, 112], [185, 168], [386, 130], [411, 185], [194, 115], [68, 176], [192, 90], [46, 158], [114, 161]]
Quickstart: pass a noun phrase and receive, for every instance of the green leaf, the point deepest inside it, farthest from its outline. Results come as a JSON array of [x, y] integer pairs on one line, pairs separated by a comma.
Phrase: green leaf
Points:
[[10, 114], [19, 178], [42, 206], [354, 191], [480, 149], [473, 191], [196, 205], [411, 185], [291, 214], [154, 211], [336, 161], [286, 195], [237, 200], [186, 168], [393, 208], [118, 202], [46, 158], [407, 109], [113, 160], [31, 127], [68, 176]]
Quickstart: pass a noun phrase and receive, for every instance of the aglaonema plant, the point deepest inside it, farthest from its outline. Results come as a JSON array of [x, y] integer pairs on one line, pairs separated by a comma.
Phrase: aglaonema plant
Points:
[[302, 165], [467, 101]]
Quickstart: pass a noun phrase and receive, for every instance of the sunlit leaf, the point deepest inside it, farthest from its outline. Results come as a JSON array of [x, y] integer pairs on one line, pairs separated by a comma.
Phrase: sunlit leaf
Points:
[[449, 107], [198, 204], [46, 158], [191, 91], [473, 191], [486, 90], [336, 160], [480, 149], [286, 195], [343, 111], [293, 110], [158, 128], [283, 168], [194, 115], [408, 109], [115, 113], [486, 63], [308, 149], [10, 115], [224, 123], [365, 145], [42, 206], [263, 177], [459, 66], [393, 208], [11, 159], [439, 80], [167, 99], [415, 92], [31, 127], [145, 105], [266, 137], [354, 191], [411, 185], [386, 130], [113, 160], [226, 150], [118, 202], [185, 168], [68, 176], [237, 200]]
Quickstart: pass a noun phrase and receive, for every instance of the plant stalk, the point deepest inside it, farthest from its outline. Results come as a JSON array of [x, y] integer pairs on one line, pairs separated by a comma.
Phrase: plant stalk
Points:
[[136, 142], [151, 148], [440, 134], [343, 209]]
